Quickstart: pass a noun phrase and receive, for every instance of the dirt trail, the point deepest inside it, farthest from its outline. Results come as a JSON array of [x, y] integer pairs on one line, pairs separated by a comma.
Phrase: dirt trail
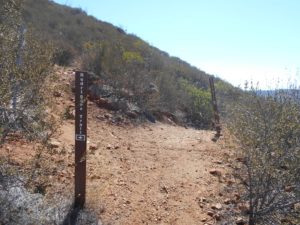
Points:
[[153, 174], [147, 174]]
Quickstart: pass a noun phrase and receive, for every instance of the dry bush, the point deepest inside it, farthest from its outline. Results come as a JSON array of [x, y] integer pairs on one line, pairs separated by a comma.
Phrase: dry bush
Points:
[[25, 87], [268, 129], [64, 54], [25, 66]]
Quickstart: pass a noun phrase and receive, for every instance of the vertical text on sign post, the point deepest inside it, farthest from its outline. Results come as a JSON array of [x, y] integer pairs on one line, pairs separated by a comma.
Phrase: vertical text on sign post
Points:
[[81, 135]]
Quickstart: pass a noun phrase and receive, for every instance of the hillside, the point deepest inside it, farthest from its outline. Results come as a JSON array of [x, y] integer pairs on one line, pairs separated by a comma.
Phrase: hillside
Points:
[[73, 28], [140, 73]]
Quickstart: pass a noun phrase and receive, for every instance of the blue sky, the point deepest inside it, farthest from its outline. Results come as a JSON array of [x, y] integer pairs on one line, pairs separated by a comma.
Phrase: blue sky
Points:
[[236, 40]]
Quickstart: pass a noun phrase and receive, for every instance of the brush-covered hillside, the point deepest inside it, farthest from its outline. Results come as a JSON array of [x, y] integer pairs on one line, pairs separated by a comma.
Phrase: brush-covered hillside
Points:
[[130, 74]]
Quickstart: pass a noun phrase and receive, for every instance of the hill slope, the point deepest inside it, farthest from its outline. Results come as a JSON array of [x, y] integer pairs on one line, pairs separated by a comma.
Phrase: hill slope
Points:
[[125, 62]]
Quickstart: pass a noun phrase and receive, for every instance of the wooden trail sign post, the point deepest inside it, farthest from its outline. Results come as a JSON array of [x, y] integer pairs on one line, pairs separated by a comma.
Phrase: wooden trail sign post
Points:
[[215, 108], [80, 137]]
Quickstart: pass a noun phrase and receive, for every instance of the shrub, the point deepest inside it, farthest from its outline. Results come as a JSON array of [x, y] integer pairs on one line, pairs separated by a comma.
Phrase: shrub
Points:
[[64, 55], [132, 57], [200, 107], [130, 71], [227, 95], [268, 129], [25, 65]]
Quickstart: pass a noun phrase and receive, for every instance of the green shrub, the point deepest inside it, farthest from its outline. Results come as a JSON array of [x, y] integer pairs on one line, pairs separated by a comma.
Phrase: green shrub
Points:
[[132, 57], [200, 108]]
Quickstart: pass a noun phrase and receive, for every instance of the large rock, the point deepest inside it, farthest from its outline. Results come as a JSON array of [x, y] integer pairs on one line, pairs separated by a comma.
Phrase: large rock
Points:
[[132, 110], [109, 103], [99, 90]]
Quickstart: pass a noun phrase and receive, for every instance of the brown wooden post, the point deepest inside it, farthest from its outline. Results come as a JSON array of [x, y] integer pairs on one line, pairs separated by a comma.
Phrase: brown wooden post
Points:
[[217, 124], [80, 137]]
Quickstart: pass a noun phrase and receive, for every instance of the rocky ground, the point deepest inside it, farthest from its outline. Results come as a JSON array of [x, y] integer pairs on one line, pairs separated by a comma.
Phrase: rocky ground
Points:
[[151, 173]]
